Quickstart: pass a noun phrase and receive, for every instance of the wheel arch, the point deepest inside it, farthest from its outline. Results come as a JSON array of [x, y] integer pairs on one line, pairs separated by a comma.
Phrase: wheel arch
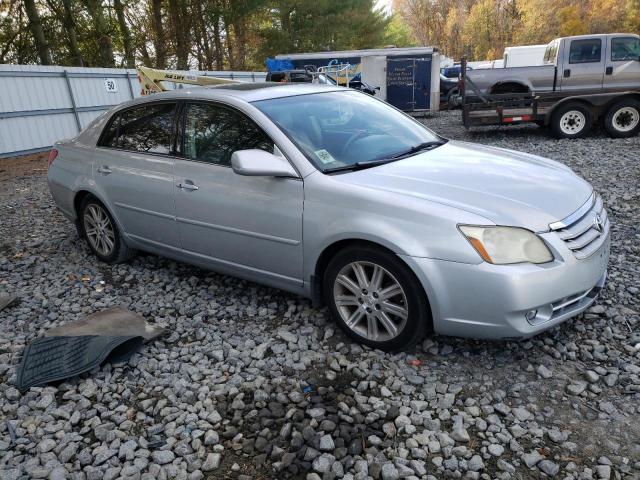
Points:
[[571, 100], [80, 195], [517, 86], [332, 249]]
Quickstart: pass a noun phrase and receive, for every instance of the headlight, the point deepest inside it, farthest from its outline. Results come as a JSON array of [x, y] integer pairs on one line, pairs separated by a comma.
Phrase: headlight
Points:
[[505, 245]]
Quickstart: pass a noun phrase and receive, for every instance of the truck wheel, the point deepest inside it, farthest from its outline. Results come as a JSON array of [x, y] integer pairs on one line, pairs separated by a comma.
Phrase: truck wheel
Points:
[[573, 120], [623, 119]]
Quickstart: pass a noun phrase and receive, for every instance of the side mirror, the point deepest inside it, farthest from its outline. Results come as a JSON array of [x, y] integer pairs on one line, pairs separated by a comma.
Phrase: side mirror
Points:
[[377, 88], [258, 163]]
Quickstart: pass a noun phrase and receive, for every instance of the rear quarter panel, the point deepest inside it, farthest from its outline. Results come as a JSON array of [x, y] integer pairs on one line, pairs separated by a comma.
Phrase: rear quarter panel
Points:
[[71, 171], [538, 78]]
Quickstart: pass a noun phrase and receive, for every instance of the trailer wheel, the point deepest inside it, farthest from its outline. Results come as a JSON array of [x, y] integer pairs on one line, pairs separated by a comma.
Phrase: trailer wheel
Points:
[[623, 119], [573, 120]]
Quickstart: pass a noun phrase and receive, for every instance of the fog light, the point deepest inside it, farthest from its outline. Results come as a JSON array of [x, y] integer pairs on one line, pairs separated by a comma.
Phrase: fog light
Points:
[[530, 315]]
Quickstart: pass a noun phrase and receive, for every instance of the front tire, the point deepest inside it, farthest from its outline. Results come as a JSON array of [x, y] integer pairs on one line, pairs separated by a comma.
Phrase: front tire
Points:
[[101, 232], [623, 119], [573, 120], [376, 299]]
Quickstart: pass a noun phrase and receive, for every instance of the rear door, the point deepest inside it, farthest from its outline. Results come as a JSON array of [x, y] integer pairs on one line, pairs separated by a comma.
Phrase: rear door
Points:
[[249, 226], [583, 65], [133, 170], [622, 63]]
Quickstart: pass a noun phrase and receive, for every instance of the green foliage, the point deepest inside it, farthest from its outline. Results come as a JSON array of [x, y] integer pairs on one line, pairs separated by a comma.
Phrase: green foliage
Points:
[[235, 34]]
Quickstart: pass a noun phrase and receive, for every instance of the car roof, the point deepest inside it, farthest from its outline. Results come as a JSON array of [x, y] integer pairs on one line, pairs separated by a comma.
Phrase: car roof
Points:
[[249, 92]]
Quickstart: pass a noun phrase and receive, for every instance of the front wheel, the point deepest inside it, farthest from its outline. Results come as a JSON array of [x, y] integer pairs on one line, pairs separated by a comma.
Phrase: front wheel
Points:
[[573, 120], [623, 119], [376, 299]]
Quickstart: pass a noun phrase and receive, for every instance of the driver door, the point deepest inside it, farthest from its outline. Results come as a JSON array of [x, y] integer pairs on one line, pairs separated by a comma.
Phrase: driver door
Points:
[[246, 226]]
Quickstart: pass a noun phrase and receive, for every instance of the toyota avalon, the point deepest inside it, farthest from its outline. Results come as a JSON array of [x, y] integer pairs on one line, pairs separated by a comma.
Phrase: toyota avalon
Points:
[[337, 196]]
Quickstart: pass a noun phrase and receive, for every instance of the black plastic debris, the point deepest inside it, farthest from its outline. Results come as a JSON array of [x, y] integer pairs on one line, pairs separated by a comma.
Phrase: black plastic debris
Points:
[[51, 359]]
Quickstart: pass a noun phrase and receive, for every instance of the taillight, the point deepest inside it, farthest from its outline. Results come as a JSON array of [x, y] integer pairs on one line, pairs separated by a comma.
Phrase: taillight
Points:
[[52, 156]]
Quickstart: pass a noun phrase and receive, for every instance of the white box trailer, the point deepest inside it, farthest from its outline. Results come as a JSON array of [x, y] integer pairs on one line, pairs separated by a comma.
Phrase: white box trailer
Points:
[[408, 78], [524, 56]]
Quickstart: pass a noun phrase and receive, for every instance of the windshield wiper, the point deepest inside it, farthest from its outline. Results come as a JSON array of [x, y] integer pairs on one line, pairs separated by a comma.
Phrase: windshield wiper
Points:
[[419, 148], [381, 161], [360, 165]]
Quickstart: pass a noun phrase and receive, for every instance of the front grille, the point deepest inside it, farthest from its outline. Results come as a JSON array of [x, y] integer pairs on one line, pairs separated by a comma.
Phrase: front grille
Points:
[[585, 230]]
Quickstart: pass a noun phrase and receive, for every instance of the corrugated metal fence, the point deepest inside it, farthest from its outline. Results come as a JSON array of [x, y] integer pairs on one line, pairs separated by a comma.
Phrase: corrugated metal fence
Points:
[[40, 105]]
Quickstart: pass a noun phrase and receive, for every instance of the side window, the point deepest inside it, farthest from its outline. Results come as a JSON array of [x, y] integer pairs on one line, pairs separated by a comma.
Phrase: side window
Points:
[[146, 128], [625, 48], [585, 51], [213, 133]]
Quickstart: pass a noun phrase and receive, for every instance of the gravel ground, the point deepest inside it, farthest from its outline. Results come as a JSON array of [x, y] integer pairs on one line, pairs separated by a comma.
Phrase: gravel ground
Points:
[[252, 382]]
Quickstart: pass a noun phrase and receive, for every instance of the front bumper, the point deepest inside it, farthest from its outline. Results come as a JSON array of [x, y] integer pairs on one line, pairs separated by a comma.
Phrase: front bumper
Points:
[[492, 301]]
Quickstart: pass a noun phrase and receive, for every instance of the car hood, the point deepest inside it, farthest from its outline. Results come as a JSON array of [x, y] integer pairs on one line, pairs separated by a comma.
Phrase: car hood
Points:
[[504, 186]]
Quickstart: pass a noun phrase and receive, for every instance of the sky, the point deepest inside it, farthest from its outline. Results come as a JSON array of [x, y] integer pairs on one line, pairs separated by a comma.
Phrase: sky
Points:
[[386, 4]]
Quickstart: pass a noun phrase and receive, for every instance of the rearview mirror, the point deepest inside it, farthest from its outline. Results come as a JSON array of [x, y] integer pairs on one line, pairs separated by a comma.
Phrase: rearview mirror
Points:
[[258, 163]]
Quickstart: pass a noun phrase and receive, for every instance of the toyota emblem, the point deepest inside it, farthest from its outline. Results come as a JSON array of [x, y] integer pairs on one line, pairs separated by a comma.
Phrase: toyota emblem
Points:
[[597, 223]]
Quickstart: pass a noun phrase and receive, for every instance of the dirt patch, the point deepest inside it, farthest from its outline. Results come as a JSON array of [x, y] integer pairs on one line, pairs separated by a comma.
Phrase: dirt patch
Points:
[[23, 166]]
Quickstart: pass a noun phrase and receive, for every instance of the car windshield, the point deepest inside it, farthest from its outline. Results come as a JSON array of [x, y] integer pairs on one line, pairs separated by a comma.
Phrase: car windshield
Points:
[[347, 129]]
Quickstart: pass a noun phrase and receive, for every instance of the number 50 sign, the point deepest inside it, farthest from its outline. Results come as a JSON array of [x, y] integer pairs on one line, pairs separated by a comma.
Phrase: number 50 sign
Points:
[[110, 85]]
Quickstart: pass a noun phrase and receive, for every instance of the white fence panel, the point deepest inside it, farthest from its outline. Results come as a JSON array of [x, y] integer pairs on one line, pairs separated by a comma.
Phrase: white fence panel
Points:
[[40, 105]]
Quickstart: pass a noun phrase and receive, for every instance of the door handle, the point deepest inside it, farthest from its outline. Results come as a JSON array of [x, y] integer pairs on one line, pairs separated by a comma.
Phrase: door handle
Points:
[[188, 186], [104, 170], [567, 73], [609, 71]]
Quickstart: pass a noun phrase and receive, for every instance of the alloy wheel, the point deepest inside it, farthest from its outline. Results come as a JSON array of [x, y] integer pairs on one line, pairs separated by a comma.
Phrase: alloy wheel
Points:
[[99, 230], [370, 301]]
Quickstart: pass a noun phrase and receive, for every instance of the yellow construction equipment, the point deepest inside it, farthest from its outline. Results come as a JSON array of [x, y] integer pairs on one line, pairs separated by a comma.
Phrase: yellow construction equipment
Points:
[[151, 79]]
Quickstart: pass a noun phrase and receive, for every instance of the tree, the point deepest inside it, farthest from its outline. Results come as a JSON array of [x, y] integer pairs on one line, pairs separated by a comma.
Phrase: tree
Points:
[[39, 39], [124, 33], [102, 33]]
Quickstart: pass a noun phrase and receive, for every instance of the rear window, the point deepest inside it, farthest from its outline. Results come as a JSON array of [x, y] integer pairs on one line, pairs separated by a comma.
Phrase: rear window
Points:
[[585, 51], [147, 128], [625, 48], [551, 52]]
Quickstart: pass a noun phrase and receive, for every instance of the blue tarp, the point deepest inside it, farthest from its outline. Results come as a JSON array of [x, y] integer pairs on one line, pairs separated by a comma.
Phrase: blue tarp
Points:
[[274, 65]]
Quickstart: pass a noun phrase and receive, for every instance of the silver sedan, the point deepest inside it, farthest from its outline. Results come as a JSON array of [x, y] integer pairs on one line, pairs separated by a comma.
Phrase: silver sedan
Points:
[[335, 195]]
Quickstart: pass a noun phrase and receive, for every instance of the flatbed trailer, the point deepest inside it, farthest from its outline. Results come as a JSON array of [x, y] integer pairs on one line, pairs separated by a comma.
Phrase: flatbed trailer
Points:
[[568, 113]]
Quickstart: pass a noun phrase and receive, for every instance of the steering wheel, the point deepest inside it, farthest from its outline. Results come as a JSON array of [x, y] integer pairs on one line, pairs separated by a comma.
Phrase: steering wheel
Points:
[[353, 138]]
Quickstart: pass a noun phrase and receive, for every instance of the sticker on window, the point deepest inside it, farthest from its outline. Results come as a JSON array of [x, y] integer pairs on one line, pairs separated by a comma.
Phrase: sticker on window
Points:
[[324, 156]]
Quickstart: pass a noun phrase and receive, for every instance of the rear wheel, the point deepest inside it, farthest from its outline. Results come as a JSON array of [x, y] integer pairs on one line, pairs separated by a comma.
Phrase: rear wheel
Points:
[[573, 120], [101, 232], [623, 119], [376, 299]]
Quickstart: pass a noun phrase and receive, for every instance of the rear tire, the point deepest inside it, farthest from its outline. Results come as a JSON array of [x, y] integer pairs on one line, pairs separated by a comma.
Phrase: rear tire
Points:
[[101, 232], [623, 119], [573, 120], [376, 299]]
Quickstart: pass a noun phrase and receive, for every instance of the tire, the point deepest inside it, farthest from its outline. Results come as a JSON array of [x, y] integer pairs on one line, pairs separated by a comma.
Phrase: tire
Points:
[[623, 119], [397, 323], [573, 120], [106, 243]]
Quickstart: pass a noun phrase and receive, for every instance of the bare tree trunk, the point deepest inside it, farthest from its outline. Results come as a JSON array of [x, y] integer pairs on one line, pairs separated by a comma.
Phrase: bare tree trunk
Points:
[[218, 42], [158, 37], [105, 46], [70, 27], [179, 21], [241, 40], [35, 26], [126, 34]]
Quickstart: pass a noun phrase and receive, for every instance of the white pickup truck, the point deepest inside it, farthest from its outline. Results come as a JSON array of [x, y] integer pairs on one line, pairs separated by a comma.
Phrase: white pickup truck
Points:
[[584, 76]]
